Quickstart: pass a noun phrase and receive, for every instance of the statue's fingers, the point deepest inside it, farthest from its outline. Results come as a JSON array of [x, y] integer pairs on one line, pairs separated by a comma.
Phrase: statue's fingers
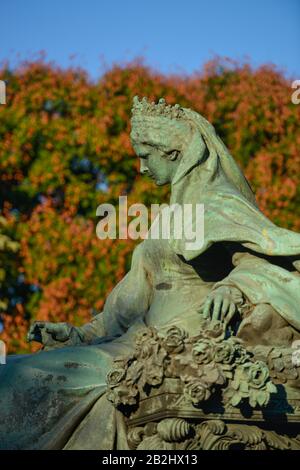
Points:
[[49, 329], [63, 334], [52, 328], [231, 312], [32, 332], [217, 307], [207, 306], [225, 307], [58, 331]]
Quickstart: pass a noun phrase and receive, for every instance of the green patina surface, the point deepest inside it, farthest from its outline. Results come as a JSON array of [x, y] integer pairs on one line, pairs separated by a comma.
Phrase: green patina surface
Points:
[[242, 283]]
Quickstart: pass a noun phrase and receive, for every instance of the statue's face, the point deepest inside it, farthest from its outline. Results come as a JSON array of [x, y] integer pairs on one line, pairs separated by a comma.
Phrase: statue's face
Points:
[[159, 165]]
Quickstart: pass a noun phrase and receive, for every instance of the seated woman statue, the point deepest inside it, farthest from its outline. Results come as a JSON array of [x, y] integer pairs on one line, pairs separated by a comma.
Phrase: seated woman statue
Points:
[[246, 266]]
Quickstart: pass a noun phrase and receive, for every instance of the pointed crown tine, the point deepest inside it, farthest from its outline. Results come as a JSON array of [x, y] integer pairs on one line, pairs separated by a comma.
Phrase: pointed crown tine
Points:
[[144, 108]]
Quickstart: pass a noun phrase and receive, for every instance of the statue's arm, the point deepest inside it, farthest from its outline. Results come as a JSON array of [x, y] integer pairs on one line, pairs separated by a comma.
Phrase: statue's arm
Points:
[[92, 330], [129, 300]]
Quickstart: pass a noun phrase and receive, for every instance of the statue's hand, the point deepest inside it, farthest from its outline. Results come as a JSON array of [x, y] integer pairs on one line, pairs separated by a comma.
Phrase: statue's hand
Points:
[[50, 334], [221, 304]]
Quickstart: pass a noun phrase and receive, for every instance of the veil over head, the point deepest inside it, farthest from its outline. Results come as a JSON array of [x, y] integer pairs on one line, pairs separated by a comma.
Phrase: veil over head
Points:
[[208, 175], [218, 155]]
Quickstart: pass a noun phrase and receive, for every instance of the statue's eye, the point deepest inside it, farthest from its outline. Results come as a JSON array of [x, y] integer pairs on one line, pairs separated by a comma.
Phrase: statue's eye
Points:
[[172, 154]]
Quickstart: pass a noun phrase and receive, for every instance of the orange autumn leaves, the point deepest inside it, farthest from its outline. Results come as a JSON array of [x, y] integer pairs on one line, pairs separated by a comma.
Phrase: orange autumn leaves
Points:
[[65, 149]]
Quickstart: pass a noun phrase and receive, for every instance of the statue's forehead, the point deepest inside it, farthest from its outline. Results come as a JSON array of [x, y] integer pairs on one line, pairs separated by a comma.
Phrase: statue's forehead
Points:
[[158, 121], [156, 129], [143, 123]]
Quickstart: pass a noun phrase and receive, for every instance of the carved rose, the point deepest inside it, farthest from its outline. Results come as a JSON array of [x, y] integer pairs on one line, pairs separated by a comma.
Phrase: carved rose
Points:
[[154, 374], [241, 354], [147, 349], [224, 353], [215, 330], [196, 391], [212, 374], [147, 343], [203, 351], [115, 376], [252, 382], [123, 395], [145, 335], [174, 340], [257, 374], [134, 372]]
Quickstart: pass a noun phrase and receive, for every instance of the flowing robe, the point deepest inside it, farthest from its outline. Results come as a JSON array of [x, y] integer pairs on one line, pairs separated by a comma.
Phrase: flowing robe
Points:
[[55, 399]]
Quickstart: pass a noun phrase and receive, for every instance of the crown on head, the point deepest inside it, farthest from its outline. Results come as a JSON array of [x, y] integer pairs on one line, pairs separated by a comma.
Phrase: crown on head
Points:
[[143, 107]]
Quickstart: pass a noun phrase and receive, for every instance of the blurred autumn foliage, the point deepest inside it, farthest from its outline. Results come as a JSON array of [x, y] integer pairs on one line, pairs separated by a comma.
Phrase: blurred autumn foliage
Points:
[[65, 149]]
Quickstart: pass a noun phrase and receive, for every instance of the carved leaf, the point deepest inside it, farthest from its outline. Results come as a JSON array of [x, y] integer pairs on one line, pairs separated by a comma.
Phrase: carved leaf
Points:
[[236, 399]]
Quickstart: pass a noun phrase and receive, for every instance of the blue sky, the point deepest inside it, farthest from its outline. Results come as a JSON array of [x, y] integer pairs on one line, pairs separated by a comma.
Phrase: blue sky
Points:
[[173, 36]]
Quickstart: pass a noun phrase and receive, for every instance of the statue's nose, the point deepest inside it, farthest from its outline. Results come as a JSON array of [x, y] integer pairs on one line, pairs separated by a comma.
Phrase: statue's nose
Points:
[[143, 167]]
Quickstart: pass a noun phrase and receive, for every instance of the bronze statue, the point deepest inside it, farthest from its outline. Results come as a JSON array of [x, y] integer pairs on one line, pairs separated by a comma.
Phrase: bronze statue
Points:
[[239, 292]]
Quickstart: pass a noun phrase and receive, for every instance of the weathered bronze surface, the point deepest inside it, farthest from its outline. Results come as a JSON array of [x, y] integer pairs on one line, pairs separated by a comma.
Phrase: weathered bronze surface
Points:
[[195, 348]]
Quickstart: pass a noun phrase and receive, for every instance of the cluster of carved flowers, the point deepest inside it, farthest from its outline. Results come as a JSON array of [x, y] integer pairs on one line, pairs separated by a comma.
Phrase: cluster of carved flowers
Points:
[[204, 364], [251, 382]]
